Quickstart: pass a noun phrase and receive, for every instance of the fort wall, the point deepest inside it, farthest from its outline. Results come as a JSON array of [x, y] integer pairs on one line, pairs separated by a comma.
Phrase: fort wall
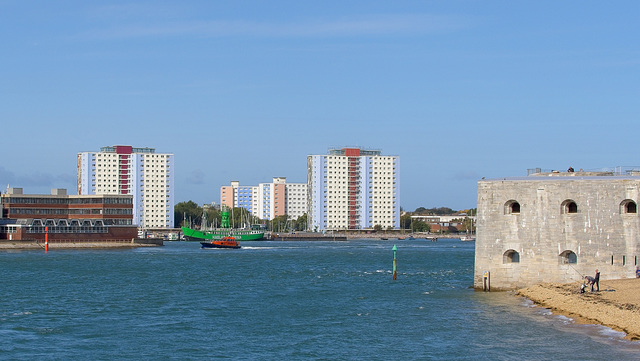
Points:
[[556, 229]]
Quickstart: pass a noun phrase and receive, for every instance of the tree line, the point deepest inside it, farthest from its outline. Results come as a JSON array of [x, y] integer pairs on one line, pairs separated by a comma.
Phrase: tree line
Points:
[[406, 222], [191, 214]]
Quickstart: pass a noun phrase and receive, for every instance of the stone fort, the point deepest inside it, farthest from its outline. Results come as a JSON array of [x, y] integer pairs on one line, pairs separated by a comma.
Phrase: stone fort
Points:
[[556, 227]]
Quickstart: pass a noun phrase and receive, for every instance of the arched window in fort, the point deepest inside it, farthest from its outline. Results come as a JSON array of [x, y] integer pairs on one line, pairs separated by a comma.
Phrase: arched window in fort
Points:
[[569, 206], [512, 207], [568, 257], [628, 206], [511, 256]]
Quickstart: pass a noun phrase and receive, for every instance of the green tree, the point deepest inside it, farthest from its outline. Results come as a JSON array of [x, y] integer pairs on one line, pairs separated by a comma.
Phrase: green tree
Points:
[[213, 217], [301, 223], [440, 211], [280, 224], [420, 226], [377, 227], [405, 221], [189, 211], [468, 225]]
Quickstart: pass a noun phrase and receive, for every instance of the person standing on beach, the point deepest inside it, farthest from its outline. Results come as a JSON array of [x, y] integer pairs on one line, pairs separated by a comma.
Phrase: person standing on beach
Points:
[[596, 280]]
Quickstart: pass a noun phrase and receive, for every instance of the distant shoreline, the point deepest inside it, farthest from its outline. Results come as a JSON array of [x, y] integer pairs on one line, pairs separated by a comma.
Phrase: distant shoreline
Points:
[[616, 306], [360, 235]]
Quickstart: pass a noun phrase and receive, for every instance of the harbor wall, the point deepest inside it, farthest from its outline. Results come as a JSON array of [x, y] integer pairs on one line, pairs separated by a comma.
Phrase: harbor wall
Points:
[[556, 229], [305, 236], [78, 234], [67, 244]]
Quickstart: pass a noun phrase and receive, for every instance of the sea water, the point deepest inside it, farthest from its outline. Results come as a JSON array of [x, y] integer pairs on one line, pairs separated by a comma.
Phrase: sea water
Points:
[[277, 301]]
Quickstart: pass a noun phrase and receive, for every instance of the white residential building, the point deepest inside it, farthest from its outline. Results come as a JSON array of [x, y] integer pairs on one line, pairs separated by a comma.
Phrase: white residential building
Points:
[[141, 172], [296, 199], [267, 200], [353, 188]]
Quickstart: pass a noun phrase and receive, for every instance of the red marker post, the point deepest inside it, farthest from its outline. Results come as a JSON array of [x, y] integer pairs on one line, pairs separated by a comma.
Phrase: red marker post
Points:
[[46, 239]]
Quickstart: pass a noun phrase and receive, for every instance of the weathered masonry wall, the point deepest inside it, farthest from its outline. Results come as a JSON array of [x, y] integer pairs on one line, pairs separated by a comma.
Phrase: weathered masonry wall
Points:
[[556, 229]]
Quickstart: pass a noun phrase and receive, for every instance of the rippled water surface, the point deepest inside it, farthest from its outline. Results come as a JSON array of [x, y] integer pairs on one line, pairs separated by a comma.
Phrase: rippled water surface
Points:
[[277, 301]]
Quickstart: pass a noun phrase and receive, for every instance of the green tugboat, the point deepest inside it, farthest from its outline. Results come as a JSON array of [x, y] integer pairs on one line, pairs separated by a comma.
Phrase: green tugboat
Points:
[[255, 233]]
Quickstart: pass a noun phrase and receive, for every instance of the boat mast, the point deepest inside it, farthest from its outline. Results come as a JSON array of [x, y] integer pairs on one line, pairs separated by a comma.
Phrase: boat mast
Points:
[[203, 225]]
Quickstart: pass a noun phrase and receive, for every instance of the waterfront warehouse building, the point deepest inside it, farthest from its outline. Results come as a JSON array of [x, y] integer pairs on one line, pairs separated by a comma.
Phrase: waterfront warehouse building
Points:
[[353, 188], [141, 172], [557, 227], [67, 218], [267, 200]]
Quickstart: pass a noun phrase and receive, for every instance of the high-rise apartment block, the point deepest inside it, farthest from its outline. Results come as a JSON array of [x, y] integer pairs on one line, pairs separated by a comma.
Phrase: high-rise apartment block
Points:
[[267, 200], [141, 172], [353, 188]]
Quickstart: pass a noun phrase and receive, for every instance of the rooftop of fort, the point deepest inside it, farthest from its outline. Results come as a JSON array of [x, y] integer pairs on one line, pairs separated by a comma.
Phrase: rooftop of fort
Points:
[[631, 172]]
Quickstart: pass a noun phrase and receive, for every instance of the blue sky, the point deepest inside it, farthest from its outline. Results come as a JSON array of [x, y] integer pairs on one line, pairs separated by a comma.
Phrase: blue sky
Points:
[[245, 90]]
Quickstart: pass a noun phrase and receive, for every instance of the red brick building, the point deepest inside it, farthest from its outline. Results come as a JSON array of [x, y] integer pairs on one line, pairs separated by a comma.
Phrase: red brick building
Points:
[[66, 217]]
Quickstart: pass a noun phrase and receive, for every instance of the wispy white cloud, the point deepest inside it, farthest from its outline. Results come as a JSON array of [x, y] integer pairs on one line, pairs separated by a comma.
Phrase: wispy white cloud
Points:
[[373, 25]]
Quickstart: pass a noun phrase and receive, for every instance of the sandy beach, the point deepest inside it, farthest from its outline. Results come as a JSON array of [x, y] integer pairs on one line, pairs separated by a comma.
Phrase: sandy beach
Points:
[[617, 305]]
